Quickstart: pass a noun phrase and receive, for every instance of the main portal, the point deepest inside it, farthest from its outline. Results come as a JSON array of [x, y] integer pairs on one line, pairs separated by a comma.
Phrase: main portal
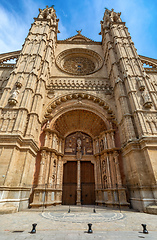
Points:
[[84, 185]]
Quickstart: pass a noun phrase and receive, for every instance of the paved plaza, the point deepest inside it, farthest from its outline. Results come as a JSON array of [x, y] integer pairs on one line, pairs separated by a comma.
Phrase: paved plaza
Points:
[[58, 223]]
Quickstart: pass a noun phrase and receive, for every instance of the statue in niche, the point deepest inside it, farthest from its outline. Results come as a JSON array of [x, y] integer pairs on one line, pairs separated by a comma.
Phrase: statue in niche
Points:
[[14, 94], [13, 98], [79, 143], [147, 100], [79, 153], [97, 146], [101, 145]]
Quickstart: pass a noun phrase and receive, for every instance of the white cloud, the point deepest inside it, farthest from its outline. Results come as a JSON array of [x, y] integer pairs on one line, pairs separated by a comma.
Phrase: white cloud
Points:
[[12, 31], [14, 27]]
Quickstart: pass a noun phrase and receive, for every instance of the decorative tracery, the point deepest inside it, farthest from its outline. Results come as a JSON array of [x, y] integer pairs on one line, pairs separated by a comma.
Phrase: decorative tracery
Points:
[[79, 65]]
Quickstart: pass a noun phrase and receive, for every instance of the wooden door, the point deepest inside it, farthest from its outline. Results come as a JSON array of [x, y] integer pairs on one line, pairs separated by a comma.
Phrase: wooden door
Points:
[[69, 183], [87, 183]]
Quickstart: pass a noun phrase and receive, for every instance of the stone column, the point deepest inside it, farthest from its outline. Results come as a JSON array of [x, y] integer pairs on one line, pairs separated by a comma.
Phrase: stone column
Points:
[[119, 182], [108, 172], [59, 181], [110, 179], [42, 169], [78, 183], [112, 170]]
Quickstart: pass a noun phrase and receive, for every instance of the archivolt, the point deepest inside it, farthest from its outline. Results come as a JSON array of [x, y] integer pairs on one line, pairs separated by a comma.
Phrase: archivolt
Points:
[[69, 97], [56, 105]]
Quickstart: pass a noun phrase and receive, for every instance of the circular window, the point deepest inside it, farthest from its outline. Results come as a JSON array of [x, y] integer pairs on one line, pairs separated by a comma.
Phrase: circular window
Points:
[[79, 61]]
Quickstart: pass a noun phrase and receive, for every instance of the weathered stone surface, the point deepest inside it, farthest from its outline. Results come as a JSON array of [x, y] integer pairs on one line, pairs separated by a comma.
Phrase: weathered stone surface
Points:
[[152, 209], [7, 209]]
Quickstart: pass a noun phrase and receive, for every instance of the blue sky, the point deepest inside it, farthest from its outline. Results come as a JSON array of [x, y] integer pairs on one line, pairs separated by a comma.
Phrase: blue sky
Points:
[[140, 17]]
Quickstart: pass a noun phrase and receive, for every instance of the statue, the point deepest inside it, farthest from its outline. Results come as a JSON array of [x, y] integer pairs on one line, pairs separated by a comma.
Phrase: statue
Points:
[[147, 100], [79, 153], [14, 94], [79, 142], [13, 98]]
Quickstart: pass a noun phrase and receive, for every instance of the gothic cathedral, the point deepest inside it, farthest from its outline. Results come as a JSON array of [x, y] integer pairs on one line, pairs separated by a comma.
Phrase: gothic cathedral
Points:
[[78, 119]]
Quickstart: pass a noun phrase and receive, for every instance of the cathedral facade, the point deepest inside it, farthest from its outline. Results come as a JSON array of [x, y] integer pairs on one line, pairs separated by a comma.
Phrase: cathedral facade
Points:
[[78, 119]]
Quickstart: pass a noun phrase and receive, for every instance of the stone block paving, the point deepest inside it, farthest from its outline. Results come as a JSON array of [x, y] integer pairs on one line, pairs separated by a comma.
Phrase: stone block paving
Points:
[[57, 223]]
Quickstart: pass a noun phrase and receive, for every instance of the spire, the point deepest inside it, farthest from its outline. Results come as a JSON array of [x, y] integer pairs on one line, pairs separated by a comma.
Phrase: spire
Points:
[[111, 16], [48, 13]]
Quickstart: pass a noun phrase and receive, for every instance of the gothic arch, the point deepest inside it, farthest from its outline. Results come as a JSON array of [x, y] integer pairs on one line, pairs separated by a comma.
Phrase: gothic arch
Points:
[[79, 101], [70, 115]]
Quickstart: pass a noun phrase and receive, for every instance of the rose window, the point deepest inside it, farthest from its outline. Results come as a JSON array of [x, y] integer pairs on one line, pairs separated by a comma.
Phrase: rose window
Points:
[[79, 65], [79, 61]]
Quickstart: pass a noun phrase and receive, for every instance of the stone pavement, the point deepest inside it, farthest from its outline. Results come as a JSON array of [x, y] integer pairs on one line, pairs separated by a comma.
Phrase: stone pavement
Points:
[[57, 223]]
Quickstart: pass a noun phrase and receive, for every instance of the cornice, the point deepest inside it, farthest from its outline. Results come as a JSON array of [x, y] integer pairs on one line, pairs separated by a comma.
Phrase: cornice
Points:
[[16, 140], [8, 56], [148, 61], [78, 42]]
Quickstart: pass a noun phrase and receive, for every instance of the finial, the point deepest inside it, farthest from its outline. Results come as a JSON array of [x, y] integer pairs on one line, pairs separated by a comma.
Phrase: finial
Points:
[[79, 31]]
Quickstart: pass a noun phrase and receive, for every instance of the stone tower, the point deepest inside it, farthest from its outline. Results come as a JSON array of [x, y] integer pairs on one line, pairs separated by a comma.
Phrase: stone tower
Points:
[[78, 121]]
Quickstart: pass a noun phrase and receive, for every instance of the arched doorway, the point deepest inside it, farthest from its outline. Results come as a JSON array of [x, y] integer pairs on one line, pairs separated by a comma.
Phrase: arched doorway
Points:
[[79, 142], [78, 174]]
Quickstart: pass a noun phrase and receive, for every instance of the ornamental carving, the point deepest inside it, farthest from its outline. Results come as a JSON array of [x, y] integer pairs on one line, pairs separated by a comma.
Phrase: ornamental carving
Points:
[[89, 84], [78, 144], [8, 114], [79, 96], [79, 65], [78, 61]]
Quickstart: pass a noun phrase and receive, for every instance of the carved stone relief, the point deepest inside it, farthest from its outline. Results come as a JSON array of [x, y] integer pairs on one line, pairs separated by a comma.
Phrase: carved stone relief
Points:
[[90, 85], [8, 114], [78, 144]]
